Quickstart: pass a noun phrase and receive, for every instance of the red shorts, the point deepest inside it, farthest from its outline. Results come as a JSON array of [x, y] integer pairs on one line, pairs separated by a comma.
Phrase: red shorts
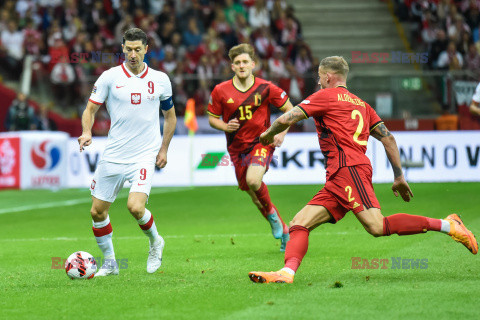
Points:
[[350, 188], [259, 156]]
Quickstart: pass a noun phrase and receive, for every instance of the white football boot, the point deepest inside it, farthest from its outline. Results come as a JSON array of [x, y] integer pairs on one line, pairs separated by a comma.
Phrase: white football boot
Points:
[[154, 260], [109, 268]]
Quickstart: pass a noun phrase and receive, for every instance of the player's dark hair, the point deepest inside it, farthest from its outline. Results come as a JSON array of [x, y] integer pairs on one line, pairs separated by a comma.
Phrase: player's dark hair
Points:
[[335, 64], [241, 49], [135, 34]]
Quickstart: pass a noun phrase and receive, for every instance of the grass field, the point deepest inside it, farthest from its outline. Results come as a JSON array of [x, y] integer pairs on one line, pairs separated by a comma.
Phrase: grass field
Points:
[[214, 237]]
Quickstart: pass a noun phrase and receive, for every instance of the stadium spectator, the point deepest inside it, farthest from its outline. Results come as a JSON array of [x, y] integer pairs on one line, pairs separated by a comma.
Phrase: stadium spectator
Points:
[[44, 122], [289, 32], [243, 29], [223, 28], [33, 43], [440, 44], [290, 13], [177, 46], [231, 10], [192, 36], [456, 29], [258, 15], [472, 59], [21, 115], [169, 64], [450, 59], [265, 44], [276, 65], [62, 78], [12, 44], [303, 61]]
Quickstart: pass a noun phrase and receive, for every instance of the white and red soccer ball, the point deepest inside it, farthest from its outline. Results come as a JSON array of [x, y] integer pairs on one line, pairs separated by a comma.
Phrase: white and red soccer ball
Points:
[[80, 265]]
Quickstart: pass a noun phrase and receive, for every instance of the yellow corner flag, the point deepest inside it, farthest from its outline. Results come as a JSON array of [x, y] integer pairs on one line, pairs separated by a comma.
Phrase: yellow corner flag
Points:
[[190, 116]]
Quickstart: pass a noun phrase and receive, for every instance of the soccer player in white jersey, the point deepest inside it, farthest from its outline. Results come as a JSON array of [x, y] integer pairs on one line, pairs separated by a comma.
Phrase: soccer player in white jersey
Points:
[[133, 93]]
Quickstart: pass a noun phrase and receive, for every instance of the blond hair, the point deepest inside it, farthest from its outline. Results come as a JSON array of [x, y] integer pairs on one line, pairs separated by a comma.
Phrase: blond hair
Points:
[[241, 49], [335, 64]]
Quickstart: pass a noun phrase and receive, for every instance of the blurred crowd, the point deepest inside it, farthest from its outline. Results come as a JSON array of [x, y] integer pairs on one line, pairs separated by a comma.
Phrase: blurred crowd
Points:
[[448, 29], [22, 116], [188, 39]]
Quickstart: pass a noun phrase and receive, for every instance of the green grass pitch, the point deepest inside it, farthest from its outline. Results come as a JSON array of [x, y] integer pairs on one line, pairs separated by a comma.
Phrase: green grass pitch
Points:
[[214, 237]]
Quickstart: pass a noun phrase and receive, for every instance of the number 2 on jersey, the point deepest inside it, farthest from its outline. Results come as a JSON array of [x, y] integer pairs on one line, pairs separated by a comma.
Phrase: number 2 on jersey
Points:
[[245, 112], [357, 133]]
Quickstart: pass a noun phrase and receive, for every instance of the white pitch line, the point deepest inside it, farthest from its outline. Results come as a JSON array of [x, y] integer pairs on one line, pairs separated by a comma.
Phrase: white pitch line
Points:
[[183, 236], [68, 203]]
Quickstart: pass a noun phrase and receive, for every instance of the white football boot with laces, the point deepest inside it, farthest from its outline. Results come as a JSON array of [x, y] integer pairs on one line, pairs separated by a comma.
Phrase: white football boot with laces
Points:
[[154, 260]]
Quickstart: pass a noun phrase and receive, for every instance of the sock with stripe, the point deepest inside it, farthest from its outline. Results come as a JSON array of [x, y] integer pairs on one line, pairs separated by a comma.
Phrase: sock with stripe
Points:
[[296, 248], [406, 224], [103, 234], [148, 226]]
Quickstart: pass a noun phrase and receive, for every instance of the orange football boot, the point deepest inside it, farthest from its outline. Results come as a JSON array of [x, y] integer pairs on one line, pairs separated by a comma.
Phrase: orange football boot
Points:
[[271, 277], [461, 234]]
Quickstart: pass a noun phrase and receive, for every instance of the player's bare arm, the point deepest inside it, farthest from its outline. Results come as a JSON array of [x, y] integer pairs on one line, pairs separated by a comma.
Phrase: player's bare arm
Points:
[[88, 117], [278, 139], [281, 124], [168, 131], [474, 108], [217, 123], [400, 185]]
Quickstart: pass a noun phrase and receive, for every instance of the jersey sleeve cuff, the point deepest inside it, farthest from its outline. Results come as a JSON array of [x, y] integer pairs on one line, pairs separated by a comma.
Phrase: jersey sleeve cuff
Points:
[[97, 103], [284, 104], [375, 125], [213, 114], [304, 112]]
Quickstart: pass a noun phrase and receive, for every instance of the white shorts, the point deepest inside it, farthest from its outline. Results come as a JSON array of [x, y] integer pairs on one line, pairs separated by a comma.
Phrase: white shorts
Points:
[[109, 178]]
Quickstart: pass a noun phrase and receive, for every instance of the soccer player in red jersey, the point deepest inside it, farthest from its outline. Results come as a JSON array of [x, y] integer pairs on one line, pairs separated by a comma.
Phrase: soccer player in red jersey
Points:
[[243, 104], [344, 123]]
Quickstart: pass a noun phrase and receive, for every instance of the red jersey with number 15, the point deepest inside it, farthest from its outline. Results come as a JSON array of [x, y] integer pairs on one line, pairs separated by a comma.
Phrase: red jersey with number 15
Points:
[[344, 123], [250, 108]]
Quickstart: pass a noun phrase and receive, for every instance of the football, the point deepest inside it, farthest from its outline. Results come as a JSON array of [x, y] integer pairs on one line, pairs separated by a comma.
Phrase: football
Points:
[[80, 265]]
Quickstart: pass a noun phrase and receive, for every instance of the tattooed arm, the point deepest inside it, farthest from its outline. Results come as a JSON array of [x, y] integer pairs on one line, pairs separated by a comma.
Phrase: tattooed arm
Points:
[[400, 185], [281, 124], [278, 139]]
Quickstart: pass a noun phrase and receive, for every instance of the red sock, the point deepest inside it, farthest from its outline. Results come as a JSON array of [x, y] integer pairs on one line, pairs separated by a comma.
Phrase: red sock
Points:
[[264, 198], [297, 247], [405, 224]]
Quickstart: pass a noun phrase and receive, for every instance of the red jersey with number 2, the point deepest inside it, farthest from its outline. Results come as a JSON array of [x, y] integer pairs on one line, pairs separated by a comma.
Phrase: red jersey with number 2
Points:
[[250, 108], [344, 123]]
